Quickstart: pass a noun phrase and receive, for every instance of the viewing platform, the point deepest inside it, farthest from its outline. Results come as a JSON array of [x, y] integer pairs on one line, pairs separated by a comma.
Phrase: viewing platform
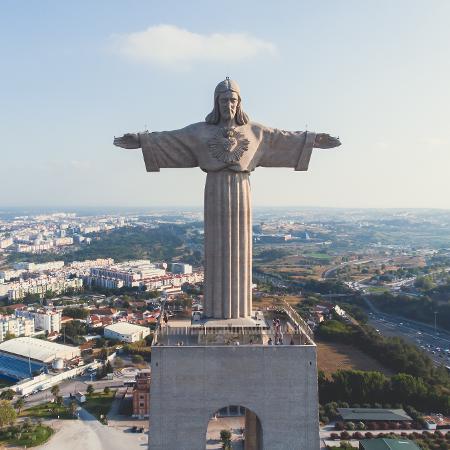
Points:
[[277, 325]]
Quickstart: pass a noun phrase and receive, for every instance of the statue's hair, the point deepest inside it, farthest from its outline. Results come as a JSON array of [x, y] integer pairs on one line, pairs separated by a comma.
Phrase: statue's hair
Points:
[[213, 118]]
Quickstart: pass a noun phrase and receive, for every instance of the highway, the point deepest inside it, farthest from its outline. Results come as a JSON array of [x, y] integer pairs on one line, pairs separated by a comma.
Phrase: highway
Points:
[[435, 344]]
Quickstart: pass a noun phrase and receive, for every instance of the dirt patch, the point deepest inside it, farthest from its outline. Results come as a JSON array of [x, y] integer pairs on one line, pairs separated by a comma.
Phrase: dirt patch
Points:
[[334, 356]]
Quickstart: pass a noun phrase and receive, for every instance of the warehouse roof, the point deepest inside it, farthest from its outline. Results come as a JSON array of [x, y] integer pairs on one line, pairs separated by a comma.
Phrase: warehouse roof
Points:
[[388, 444], [38, 349], [125, 328], [374, 414]]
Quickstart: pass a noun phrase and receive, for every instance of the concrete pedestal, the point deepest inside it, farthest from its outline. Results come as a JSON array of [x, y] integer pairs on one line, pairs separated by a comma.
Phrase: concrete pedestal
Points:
[[278, 384]]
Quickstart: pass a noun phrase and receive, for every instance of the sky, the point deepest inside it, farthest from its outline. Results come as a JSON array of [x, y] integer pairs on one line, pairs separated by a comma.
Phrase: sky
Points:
[[376, 73]]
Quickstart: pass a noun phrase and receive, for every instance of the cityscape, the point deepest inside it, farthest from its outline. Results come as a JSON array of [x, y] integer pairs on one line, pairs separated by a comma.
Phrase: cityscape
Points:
[[79, 333], [225, 226]]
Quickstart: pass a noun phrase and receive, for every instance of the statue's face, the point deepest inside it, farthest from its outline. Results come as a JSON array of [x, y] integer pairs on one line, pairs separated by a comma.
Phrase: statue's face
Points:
[[228, 102]]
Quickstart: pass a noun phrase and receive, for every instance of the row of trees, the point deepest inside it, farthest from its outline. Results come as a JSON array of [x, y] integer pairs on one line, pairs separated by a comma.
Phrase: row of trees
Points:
[[356, 386], [392, 352], [418, 308]]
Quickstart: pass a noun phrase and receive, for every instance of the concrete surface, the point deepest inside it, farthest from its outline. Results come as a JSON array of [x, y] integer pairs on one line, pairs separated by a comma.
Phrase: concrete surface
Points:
[[277, 383]]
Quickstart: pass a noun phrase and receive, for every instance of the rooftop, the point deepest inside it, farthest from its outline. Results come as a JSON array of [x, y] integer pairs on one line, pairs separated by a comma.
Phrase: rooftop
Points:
[[125, 328], [388, 444], [373, 414], [38, 349]]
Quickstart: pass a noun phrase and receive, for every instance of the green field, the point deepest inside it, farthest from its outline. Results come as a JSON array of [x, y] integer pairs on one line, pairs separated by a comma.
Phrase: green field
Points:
[[47, 411], [99, 403], [316, 255], [26, 435]]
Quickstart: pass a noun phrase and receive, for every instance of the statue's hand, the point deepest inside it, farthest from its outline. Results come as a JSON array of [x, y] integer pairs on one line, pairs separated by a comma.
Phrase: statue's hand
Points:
[[128, 140], [324, 140]]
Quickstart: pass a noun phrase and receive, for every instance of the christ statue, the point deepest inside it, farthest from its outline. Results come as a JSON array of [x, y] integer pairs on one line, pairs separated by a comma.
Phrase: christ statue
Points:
[[228, 147]]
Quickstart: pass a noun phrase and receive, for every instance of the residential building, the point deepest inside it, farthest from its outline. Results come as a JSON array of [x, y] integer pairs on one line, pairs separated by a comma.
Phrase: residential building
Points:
[[181, 268], [6, 242], [17, 326], [42, 285], [49, 321], [141, 395], [130, 272]]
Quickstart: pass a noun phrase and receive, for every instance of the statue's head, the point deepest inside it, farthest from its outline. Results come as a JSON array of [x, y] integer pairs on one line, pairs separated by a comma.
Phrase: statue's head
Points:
[[227, 104]]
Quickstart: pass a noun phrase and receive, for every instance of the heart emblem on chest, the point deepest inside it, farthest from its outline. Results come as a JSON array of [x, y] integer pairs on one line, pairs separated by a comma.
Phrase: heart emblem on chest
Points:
[[228, 145]]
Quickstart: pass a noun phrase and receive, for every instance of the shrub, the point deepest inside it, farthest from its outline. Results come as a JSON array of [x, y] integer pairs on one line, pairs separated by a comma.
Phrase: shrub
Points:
[[350, 426], [345, 435], [360, 426]]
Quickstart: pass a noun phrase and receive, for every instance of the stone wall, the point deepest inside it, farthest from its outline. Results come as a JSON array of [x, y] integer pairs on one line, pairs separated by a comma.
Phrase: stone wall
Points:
[[277, 383]]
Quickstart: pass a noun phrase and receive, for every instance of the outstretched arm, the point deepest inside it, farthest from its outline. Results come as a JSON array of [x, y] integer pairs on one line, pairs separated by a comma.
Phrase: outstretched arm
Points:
[[128, 140], [324, 140], [163, 149]]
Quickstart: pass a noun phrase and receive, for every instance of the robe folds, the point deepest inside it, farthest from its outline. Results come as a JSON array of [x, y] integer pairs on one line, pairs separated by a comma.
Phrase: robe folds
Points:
[[228, 156]]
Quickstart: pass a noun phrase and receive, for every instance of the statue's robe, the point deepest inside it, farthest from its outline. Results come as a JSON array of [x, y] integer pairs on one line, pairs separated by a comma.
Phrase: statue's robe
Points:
[[228, 221]]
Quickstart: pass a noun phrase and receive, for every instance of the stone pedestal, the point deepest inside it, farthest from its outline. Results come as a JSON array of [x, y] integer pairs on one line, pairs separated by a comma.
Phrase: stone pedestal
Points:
[[278, 384]]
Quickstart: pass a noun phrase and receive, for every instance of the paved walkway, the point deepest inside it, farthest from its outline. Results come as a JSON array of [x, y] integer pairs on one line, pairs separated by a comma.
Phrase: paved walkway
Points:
[[89, 434]]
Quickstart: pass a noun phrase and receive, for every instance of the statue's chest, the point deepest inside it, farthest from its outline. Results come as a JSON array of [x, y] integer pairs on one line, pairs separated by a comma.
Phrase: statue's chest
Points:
[[230, 145]]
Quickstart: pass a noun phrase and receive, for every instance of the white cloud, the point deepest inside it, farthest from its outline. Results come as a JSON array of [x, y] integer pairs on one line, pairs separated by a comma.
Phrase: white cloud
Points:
[[173, 47]]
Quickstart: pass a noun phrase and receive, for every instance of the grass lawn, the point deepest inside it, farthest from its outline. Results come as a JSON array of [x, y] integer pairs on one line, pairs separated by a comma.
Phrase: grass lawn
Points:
[[378, 289], [332, 356], [22, 436], [99, 403], [315, 255], [47, 411]]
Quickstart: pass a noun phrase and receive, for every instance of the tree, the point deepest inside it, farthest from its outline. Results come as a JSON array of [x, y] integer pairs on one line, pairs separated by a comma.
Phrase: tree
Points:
[[90, 389], [137, 359], [8, 336], [55, 391], [20, 403], [118, 362], [104, 354], [225, 437], [7, 395], [7, 413], [73, 407]]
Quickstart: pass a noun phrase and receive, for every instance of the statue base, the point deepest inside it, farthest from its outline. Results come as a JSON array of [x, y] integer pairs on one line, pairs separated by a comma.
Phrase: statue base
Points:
[[199, 370]]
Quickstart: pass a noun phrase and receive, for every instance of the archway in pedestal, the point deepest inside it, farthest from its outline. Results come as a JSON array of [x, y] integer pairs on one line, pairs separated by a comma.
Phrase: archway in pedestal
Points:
[[243, 425]]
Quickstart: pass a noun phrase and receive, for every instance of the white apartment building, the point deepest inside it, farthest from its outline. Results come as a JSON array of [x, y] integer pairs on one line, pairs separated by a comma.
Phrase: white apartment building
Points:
[[40, 286], [61, 241], [130, 272], [171, 280], [100, 262], [33, 267], [18, 326], [181, 268], [6, 242], [49, 321], [4, 288], [8, 274]]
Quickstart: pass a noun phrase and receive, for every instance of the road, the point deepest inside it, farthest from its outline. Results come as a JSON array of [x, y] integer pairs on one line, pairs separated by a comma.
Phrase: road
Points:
[[435, 344], [88, 433], [70, 387]]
